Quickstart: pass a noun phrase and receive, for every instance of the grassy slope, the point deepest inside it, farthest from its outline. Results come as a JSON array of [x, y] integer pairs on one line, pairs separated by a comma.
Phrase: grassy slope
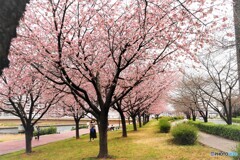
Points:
[[145, 144]]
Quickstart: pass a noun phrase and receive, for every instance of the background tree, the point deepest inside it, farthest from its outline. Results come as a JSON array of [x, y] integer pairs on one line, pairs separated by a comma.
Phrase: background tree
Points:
[[72, 108], [184, 102], [200, 100], [221, 82], [27, 95]]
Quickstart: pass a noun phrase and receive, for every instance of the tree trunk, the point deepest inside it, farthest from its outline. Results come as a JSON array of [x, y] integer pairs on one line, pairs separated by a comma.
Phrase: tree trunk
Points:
[[205, 118], [148, 117], [134, 123], [139, 121], [103, 126], [124, 128], [229, 118], [229, 122], [11, 11], [77, 127], [28, 139], [236, 14], [129, 122], [194, 117], [144, 119], [188, 115]]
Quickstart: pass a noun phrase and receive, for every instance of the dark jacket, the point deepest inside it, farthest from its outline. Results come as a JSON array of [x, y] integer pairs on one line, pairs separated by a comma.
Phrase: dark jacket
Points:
[[93, 133]]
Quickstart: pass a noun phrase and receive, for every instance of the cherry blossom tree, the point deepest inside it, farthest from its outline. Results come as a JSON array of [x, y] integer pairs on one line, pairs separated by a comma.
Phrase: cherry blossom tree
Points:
[[122, 112], [73, 108], [26, 94], [159, 106], [147, 96], [111, 46]]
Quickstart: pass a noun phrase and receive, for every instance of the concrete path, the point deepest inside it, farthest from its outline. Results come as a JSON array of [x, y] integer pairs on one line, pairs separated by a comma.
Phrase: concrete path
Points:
[[12, 146], [213, 141], [217, 142]]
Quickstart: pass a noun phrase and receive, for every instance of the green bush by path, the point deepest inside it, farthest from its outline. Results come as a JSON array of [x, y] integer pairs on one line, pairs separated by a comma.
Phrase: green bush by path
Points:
[[172, 118], [81, 126], [236, 120], [44, 131], [226, 131], [184, 134], [164, 126]]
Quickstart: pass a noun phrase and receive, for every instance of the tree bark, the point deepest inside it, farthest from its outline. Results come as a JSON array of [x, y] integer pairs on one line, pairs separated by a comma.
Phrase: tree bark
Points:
[[205, 119], [10, 13], [204, 115], [148, 117], [188, 116], [236, 15], [28, 139], [77, 127], [229, 117], [124, 128], [134, 123], [103, 126], [139, 121], [144, 119], [194, 117]]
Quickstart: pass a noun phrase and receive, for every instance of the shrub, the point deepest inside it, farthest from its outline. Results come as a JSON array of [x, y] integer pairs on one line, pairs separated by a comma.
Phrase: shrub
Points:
[[80, 127], [43, 131], [164, 126], [184, 134], [83, 126], [236, 120], [172, 118], [226, 131]]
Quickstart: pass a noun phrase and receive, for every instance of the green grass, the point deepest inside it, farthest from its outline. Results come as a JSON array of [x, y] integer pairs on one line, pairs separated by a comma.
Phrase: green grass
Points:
[[145, 144]]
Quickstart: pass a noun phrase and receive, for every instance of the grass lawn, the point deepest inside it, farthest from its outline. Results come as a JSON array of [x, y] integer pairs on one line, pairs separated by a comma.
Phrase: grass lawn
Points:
[[145, 144]]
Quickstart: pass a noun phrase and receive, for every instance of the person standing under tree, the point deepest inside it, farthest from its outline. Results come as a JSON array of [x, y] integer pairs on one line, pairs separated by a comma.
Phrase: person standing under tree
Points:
[[93, 133], [38, 132]]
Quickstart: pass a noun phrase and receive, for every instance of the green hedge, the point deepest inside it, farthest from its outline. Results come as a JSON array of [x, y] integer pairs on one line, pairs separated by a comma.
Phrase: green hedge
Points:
[[43, 131], [164, 125], [172, 118], [80, 126], [236, 120], [184, 134], [226, 131]]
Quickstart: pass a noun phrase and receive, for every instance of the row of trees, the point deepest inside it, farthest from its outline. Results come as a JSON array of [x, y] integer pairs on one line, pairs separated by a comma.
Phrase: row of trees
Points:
[[105, 52], [215, 88], [28, 95]]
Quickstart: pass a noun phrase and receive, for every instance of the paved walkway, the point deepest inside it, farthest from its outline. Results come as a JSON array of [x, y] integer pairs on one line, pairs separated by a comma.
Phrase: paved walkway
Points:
[[217, 142], [12, 146], [213, 141]]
